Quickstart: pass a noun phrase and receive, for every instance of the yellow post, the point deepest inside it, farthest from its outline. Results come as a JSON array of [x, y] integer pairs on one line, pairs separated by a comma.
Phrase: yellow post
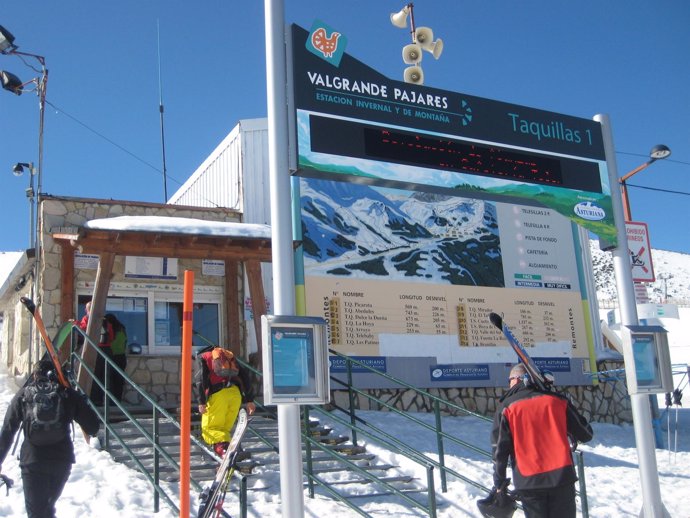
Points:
[[186, 390]]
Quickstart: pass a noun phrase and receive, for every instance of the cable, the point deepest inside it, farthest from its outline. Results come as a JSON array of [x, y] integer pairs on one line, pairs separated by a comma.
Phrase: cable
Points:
[[656, 189], [647, 157], [60, 110]]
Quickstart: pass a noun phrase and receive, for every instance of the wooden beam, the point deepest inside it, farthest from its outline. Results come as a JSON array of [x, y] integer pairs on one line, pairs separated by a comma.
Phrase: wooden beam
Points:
[[66, 282], [201, 249], [100, 296], [232, 305], [258, 296]]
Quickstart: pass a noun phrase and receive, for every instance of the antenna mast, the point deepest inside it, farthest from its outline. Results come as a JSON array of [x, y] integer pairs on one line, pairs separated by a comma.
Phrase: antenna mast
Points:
[[161, 110]]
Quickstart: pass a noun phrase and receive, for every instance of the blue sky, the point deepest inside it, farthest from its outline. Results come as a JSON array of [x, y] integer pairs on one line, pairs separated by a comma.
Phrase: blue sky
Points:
[[102, 124]]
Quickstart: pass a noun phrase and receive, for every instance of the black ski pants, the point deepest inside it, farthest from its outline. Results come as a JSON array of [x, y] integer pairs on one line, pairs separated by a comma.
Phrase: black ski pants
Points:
[[43, 485], [558, 502]]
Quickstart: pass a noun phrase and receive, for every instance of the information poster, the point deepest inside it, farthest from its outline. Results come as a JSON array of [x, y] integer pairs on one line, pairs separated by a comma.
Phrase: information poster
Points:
[[421, 211], [293, 360]]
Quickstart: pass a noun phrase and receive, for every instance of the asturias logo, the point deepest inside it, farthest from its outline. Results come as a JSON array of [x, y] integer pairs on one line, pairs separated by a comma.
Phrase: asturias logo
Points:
[[590, 211], [326, 43]]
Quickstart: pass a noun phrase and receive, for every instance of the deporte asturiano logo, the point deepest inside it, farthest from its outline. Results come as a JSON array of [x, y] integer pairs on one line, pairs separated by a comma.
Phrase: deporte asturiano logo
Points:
[[326, 43], [590, 211]]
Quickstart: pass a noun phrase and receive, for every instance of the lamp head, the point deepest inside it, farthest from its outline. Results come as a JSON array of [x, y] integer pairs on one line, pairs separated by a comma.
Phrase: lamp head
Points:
[[6, 40], [11, 83], [18, 168], [659, 152]]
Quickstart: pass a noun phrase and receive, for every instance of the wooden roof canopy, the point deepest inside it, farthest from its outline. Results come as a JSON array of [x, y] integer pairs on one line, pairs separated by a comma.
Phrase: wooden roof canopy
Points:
[[184, 238], [162, 236]]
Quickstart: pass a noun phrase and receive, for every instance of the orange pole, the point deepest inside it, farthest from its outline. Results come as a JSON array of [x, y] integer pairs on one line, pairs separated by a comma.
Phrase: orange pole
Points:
[[186, 391]]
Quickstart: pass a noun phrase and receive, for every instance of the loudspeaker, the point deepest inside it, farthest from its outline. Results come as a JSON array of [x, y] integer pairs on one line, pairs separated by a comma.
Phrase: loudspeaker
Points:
[[424, 36], [399, 19], [437, 48], [412, 54], [414, 75]]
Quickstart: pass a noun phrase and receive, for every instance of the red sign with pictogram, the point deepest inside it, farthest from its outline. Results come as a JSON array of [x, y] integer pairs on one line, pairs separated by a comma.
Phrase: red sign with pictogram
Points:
[[640, 251]]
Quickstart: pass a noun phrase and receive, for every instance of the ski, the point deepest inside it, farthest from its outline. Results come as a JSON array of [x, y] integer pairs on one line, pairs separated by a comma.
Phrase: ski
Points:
[[212, 497], [50, 349], [534, 371], [29, 304], [60, 340]]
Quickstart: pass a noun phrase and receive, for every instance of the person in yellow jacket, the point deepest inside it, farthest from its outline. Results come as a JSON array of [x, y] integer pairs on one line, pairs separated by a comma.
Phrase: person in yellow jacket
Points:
[[221, 388]]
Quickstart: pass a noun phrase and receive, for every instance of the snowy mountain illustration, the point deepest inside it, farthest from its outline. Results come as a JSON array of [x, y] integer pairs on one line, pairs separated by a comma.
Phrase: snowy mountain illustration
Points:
[[351, 229]]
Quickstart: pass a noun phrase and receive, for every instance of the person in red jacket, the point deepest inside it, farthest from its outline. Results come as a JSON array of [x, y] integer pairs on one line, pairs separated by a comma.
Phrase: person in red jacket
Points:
[[532, 430], [221, 387]]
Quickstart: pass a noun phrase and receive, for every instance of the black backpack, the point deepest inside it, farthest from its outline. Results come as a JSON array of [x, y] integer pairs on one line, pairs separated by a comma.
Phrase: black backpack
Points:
[[46, 415]]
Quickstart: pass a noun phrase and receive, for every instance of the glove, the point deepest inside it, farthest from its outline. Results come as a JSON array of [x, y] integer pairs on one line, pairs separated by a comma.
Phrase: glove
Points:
[[7, 481]]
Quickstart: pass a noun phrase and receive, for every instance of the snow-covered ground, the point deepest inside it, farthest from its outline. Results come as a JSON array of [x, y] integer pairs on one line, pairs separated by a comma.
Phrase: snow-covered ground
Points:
[[100, 487]]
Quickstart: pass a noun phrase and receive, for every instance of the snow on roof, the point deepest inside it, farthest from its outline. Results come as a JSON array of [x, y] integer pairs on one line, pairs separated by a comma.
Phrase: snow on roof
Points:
[[177, 225], [8, 261]]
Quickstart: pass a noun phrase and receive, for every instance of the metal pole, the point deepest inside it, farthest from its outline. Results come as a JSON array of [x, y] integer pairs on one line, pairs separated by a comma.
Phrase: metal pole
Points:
[[289, 440], [652, 506]]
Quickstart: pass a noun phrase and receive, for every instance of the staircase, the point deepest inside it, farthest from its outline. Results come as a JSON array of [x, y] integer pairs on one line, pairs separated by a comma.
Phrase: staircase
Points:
[[336, 465]]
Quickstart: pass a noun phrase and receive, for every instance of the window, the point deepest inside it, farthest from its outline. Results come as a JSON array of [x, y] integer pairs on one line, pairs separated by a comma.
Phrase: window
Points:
[[153, 317], [169, 324], [131, 311]]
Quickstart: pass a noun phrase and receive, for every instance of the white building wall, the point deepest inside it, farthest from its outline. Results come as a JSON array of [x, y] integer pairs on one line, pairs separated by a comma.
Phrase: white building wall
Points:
[[235, 175]]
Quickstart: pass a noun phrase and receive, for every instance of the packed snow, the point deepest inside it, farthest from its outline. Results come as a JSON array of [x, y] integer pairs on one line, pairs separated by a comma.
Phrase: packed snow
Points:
[[101, 487]]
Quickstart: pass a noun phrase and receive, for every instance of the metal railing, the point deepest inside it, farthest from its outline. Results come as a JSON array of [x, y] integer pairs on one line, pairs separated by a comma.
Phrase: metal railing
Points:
[[155, 412], [357, 426], [442, 437]]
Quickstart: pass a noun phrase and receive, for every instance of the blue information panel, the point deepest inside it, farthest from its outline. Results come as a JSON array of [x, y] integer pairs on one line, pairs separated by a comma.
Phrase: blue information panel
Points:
[[293, 360]]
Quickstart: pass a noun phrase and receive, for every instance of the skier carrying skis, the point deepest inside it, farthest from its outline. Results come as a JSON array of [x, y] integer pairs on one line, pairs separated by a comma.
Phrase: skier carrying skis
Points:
[[221, 387], [531, 428], [45, 465]]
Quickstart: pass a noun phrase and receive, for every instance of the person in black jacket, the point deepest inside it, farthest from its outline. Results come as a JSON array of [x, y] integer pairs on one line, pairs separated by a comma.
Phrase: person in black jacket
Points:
[[45, 469], [532, 429]]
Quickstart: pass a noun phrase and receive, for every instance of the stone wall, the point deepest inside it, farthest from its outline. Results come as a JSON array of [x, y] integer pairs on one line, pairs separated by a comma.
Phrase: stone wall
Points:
[[606, 402], [17, 352]]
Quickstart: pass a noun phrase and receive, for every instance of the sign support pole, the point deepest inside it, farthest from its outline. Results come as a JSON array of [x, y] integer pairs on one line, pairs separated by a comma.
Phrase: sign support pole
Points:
[[652, 506], [289, 438]]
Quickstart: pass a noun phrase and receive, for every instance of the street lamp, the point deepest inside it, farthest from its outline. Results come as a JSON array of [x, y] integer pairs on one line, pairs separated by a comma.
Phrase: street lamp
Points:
[[11, 83], [658, 152], [18, 170]]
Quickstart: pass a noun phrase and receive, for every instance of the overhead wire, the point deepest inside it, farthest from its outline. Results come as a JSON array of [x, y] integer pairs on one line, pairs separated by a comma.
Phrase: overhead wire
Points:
[[120, 147], [133, 155]]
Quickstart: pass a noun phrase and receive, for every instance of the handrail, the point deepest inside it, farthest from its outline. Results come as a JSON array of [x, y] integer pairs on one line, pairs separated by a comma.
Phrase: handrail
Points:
[[157, 413], [354, 425], [582, 492]]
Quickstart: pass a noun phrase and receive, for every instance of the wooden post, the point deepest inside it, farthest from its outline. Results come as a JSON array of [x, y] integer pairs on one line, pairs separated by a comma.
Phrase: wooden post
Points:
[[232, 305], [100, 296], [256, 292]]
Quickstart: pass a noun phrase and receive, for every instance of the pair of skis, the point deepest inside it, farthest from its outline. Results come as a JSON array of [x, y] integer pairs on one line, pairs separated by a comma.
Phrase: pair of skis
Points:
[[213, 496], [535, 372]]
